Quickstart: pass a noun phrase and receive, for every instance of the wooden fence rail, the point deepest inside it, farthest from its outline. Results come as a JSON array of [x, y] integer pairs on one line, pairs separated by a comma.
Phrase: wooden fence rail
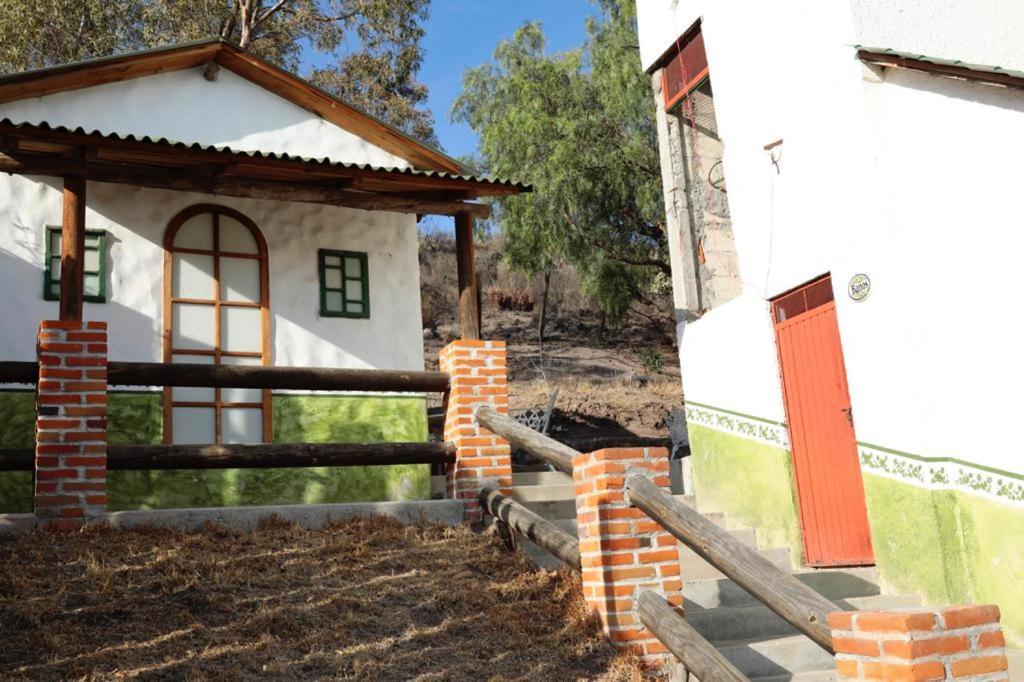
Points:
[[807, 612], [523, 437], [802, 607], [701, 658], [542, 532], [255, 456], [249, 376]]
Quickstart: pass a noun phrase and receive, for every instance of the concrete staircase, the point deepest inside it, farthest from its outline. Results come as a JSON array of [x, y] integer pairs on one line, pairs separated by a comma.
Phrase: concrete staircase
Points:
[[762, 645]]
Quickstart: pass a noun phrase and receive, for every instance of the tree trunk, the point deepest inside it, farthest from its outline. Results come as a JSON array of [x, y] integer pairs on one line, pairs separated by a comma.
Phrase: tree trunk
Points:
[[542, 322]]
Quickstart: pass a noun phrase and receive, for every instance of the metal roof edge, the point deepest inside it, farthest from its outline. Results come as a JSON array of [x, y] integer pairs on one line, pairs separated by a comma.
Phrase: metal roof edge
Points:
[[257, 154]]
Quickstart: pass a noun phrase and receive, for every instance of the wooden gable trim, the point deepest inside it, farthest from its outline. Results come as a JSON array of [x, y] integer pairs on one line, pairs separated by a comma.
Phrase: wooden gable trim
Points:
[[278, 81], [87, 74]]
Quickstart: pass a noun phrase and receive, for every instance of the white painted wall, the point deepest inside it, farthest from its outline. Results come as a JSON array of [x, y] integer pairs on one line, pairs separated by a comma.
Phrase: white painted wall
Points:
[[986, 32], [182, 106], [136, 219], [913, 180], [983, 32]]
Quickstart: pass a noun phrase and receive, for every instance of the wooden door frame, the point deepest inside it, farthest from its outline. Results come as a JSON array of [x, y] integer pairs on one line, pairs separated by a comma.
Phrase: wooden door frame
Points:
[[216, 210]]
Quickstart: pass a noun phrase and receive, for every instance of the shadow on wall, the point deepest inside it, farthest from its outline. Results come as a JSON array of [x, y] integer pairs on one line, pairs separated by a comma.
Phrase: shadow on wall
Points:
[[1009, 99], [19, 344]]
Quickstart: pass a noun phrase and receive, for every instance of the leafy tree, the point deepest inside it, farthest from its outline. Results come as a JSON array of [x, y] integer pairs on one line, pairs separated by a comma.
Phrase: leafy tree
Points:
[[580, 126], [373, 45]]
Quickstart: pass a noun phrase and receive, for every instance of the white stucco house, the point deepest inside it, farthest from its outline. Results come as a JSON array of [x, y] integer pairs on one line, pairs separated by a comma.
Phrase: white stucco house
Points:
[[233, 215], [842, 184]]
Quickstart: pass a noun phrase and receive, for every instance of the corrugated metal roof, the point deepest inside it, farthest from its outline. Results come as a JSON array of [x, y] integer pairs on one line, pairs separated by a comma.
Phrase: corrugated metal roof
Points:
[[981, 68], [324, 161]]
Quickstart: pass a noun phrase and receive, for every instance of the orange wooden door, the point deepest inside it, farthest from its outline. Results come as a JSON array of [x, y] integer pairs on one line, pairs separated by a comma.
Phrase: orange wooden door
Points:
[[830, 489]]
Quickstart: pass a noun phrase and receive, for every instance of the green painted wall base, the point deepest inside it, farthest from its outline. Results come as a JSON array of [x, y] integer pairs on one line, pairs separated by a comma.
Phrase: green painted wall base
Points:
[[951, 547], [136, 418], [750, 481]]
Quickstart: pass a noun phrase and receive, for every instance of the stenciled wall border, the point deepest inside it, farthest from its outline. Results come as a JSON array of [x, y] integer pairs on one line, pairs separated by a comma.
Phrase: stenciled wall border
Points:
[[933, 473], [943, 473], [738, 424]]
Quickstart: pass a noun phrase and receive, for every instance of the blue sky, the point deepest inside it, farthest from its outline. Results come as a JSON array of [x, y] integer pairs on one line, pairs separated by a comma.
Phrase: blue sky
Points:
[[463, 33]]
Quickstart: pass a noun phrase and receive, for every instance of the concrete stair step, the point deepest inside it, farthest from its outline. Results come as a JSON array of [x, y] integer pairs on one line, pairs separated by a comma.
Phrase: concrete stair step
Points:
[[693, 567], [727, 623], [777, 657], [523, 478], [539, 557], [553, 509], [832, 583], [1015, 658], [813, 676], [544, 493]]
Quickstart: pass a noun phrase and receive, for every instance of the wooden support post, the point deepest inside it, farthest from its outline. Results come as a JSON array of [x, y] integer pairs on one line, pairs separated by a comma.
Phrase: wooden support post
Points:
[[469, 315], [72, 249]]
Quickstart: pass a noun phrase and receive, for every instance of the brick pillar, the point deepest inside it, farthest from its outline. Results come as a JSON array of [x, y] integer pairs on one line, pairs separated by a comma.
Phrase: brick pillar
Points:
[[479, 376], [919, 644], [622, 551], [71, 424]]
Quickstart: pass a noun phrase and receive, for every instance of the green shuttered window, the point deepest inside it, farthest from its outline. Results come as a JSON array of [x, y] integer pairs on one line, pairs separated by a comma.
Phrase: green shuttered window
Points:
[[344, 284], [95, 266]]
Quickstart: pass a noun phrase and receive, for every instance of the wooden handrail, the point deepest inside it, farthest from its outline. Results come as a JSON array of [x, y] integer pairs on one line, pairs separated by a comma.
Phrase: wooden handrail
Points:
[[252, 456], [523, 437], [250, 376], [802, 607], [542, 532], [701, 658]]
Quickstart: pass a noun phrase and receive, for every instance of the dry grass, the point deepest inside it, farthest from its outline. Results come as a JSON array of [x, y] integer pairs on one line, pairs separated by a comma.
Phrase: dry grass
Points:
[[367, 599]]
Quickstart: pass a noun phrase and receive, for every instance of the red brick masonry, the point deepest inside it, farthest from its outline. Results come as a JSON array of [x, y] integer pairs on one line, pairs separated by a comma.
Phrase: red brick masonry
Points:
[[622, 551], [71, 424], [479, 376], [955, 642]]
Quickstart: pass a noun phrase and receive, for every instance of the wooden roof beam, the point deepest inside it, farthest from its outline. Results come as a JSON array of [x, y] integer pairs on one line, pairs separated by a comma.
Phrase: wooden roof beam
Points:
[[185, 180]]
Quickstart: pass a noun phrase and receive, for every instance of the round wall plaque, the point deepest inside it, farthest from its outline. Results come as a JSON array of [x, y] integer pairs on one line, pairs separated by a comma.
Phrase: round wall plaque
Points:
[[860, 287]]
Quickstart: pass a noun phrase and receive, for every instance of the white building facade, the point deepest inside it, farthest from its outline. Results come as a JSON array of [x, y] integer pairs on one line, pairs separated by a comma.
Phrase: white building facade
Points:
[[196, 253], [841, 187]]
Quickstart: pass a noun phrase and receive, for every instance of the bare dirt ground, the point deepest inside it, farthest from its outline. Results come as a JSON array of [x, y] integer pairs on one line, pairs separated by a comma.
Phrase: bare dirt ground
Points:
[[366, 600], [604, 389]]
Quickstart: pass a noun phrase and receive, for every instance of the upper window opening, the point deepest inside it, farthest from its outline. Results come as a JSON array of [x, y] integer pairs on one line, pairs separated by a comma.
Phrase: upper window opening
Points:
[[686, 69]]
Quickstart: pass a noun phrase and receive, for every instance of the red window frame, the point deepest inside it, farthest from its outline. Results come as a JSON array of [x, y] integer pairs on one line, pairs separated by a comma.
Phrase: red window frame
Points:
[[686, 67]]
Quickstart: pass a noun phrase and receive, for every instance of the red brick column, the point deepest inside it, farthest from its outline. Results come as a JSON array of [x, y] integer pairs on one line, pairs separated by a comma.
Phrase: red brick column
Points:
[[920, 644], [71, 424], [479, 376], [622, 551]]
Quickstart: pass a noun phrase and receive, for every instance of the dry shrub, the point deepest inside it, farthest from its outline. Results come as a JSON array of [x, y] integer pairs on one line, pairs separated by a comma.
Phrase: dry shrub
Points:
[[510, 299], [367, 599]]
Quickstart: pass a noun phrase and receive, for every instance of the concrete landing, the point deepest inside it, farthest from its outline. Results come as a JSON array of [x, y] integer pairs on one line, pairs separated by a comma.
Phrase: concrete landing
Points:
[[448, 512]]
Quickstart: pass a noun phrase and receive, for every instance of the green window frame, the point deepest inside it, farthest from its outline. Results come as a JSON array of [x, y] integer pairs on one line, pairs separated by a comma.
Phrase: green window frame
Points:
[[95, 266], [344, 284]]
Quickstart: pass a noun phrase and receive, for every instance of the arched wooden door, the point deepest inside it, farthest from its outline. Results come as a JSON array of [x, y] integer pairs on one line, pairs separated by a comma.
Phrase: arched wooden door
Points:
[[216, 311]]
